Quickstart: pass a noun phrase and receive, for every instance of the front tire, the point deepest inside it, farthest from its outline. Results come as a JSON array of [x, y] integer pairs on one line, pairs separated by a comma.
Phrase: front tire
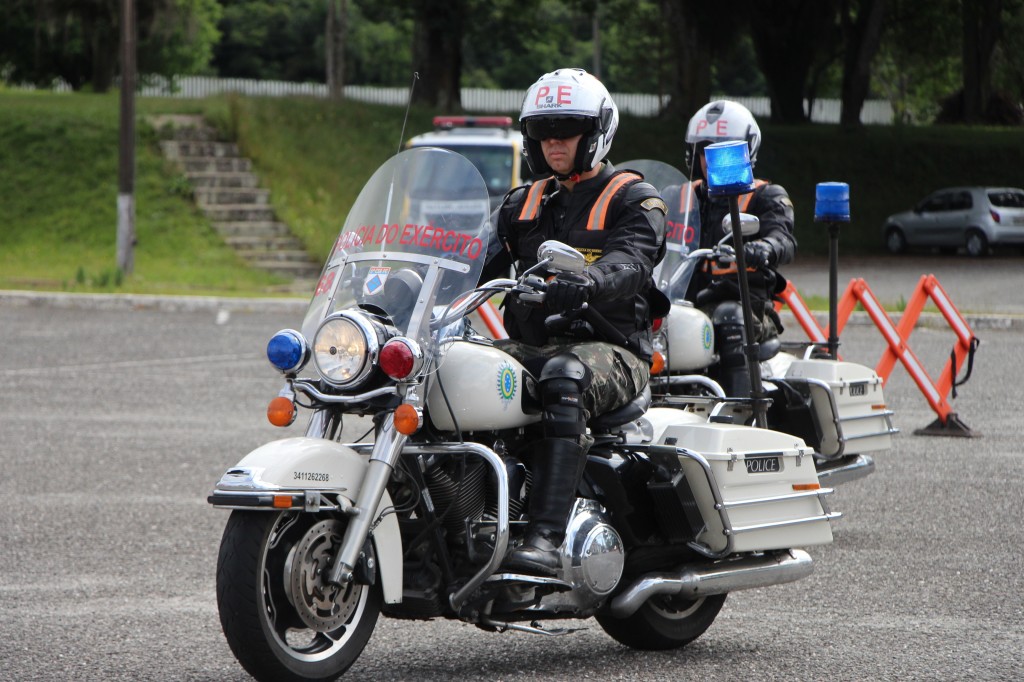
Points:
[[664, 622], [976, 243], [282, 620], [895, 240]]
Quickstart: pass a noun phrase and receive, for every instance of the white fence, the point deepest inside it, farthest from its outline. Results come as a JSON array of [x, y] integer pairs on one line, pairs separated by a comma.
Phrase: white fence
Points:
[[878, 112]]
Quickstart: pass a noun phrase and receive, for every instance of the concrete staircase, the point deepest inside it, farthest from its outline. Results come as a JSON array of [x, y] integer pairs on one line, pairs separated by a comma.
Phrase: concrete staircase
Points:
[[228, 192]]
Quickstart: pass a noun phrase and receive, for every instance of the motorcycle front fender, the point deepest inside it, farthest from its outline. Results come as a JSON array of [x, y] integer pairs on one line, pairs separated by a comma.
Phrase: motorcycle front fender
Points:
[[312, 474]]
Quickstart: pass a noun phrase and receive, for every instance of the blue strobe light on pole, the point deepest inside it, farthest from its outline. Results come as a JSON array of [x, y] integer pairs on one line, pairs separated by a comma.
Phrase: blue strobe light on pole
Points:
[[730, 175], [832, 206], [729, 170]]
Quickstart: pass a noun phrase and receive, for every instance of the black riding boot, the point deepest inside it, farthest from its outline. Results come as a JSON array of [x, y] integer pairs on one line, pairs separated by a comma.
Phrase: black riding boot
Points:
[[557, 469]]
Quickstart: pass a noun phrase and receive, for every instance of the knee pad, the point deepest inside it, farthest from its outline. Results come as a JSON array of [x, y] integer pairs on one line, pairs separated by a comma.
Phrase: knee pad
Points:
[[563, 415], [566, 366], [562, 382], [727, 320]]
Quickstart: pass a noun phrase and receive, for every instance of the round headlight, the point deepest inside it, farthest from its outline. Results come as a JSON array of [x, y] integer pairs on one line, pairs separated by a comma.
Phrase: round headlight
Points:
[[344, 349]]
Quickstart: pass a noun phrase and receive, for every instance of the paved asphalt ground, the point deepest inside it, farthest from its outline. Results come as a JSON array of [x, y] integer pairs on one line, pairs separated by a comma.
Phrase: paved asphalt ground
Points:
[[117, 417], [975, 286]]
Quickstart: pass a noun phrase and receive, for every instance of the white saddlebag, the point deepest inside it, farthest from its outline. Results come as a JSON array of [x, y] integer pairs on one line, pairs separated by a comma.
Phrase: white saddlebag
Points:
[[756, 489]]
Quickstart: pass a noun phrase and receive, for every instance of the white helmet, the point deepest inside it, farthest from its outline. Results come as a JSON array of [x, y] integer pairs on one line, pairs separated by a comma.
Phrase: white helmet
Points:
[[566, 103], [722, 121]]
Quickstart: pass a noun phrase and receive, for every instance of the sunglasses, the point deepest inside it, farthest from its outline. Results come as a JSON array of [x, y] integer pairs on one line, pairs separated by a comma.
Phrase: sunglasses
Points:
[[561, 128]]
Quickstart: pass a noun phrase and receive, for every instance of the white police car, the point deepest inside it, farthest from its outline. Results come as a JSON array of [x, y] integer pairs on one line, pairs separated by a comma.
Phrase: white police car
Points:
[[489, 142]]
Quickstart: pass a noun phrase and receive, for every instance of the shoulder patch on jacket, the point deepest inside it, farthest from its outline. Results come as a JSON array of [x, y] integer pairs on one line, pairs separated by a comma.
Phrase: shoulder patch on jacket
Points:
[[654, 203]]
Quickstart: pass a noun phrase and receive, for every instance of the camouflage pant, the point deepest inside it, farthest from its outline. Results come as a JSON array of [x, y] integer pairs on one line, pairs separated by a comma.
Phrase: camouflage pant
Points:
[[618, 375]]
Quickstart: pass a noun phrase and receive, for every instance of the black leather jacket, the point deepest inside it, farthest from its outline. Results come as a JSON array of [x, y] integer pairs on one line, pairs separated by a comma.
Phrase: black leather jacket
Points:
[[773, 207], [621, 256]]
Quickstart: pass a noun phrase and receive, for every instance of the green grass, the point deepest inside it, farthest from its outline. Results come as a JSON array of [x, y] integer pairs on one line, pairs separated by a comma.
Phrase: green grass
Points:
[[58, 181], [315, 156], [58, 190]]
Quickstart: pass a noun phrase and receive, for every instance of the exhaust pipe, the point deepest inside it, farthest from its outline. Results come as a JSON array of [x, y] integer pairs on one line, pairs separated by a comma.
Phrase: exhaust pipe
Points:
[[720, 577], [858, 466]]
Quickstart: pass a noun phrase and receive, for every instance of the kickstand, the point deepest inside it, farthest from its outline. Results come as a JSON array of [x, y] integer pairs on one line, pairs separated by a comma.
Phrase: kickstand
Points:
[[951, 427]]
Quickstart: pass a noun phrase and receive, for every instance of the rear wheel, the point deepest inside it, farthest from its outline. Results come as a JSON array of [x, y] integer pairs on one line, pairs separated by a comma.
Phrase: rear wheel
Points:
[[895, 241], [282, 619], [664, 622], [976, 243]]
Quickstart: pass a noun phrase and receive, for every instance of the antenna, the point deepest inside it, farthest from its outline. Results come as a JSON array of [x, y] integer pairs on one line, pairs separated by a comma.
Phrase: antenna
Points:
[[408, 105]]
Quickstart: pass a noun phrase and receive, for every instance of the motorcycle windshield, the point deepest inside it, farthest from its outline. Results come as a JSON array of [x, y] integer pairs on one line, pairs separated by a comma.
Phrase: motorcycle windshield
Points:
[[415, 239], [682, 225]]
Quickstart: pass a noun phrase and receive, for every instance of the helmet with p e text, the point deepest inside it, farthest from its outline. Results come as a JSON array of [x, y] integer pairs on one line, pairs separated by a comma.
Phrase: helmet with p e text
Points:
[[565, 103]]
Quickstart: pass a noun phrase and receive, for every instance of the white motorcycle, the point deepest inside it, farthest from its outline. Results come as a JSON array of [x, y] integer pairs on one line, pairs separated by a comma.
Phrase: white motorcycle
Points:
[[674, 511], [838, 408]]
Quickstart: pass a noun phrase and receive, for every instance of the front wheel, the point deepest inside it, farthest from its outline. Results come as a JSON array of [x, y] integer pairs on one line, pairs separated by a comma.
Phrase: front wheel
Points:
[[664, 622], [895, 241], [281, 618], [976, 244]]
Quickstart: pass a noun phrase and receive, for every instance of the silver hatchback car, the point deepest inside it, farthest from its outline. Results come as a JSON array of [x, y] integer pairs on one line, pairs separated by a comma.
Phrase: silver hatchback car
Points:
[[974, 218]]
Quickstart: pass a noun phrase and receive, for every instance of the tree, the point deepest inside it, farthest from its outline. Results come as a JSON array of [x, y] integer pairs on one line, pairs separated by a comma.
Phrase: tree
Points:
[[437, 52], [690, 44], [981, 26], [78, 40], [334, 40], [861, 23], [918, 61], [789, 35], [272, 39], [378, 44]]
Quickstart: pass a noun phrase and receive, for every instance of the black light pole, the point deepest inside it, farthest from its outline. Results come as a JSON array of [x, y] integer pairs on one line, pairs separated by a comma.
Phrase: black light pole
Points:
[[751, 349], [730, 175], [126, 146], [832, 206]]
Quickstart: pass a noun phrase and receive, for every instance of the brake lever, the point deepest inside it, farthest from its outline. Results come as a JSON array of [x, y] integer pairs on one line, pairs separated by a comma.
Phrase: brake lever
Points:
[[531, 289]]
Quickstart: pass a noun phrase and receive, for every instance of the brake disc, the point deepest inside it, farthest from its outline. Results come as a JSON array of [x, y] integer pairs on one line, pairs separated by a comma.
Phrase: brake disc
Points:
[[321, 606]]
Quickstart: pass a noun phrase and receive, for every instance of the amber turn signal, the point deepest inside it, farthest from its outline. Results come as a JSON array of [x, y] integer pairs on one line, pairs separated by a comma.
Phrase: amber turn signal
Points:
[[407, 419], [806, 486], [281, 411], [658, 363]]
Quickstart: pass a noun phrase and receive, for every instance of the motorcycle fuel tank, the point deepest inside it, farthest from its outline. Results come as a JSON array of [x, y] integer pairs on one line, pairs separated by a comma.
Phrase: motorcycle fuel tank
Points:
[[482, 386], [690, 339]]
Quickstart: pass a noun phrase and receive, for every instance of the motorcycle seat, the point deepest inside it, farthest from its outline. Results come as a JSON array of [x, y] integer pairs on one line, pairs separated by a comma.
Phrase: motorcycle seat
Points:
[[631, 411]]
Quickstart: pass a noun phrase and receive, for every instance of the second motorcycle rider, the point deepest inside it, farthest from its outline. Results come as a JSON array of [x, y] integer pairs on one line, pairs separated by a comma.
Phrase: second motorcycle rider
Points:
[[617, 221]]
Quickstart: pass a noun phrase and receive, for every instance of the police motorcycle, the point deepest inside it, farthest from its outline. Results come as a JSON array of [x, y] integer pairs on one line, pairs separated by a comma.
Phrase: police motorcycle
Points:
[[836, 407], [673, 512]]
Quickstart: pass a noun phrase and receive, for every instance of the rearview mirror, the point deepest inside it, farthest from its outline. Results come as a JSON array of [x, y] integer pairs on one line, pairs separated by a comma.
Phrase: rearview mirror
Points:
[[749, 224], [561, 257]]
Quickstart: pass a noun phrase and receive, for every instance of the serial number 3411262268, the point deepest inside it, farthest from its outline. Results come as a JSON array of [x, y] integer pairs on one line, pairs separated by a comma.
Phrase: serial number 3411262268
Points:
[[311, 476]]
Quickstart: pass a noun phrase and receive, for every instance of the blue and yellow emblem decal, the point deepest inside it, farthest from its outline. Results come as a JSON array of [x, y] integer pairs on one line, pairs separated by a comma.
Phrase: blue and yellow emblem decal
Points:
[[708, 340], [507, 382]]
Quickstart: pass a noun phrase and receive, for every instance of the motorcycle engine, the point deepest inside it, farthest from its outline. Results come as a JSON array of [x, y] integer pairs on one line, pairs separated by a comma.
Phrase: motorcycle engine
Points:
[[593, 557]]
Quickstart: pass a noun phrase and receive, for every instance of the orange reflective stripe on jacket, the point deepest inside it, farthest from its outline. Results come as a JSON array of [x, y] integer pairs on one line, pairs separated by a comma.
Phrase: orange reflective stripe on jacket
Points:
[[744, 200], [600, 209], [531, 207]]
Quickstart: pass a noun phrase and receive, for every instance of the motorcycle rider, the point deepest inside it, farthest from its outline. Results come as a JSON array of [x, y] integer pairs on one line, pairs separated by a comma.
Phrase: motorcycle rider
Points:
[[617, 221], [715, 290]]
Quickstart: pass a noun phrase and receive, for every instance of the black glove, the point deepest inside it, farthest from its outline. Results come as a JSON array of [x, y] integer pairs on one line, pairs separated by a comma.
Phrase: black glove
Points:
[[568, 292], [758, 254]]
